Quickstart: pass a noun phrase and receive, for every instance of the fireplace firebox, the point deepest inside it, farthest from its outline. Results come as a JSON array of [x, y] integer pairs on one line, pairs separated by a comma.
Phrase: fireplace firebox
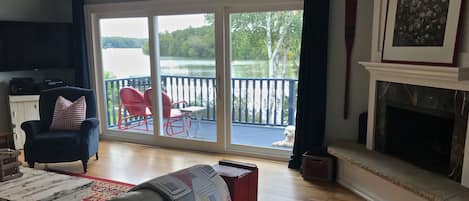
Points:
[[424, 126], [421, 137]]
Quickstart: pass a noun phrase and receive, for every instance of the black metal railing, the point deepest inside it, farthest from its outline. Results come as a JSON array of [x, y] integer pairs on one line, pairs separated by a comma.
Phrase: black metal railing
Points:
[[257, 101]]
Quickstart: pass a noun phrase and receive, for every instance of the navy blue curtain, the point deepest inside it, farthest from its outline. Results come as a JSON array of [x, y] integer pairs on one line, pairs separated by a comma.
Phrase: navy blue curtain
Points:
[[80, 57], [311, 105]]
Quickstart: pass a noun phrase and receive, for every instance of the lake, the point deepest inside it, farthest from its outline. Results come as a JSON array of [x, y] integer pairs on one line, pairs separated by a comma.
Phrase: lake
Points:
[[131, 62]]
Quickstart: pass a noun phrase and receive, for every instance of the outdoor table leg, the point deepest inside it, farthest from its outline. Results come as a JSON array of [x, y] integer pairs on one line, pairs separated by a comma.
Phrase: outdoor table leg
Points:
[[186, 119], [198, 117]]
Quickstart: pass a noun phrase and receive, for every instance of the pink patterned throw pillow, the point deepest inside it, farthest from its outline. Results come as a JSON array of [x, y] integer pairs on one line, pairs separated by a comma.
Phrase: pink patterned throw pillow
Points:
[[68, 115]]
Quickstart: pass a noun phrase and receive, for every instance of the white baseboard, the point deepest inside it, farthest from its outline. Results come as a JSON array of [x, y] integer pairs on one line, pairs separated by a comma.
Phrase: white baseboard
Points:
[[365, 195], [370, 186]]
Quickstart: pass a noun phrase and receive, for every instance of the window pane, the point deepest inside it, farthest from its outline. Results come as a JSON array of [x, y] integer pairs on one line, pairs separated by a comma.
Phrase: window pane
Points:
[[126, 68], [187, 60], [265, 49]]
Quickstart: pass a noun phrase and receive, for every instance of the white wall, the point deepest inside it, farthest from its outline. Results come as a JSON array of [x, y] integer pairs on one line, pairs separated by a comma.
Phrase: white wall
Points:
[[336, 127], [37, 11]]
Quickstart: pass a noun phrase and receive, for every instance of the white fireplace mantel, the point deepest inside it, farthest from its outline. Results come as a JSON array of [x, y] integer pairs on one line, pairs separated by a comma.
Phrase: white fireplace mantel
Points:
[[455, 78]]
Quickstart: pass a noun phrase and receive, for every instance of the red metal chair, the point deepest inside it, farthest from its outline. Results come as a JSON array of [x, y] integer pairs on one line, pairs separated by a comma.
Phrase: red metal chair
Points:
[[176, 122], [133, 101]]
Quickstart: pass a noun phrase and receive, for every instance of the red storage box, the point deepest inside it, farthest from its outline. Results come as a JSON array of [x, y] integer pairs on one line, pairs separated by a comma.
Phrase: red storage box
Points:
[[318, 167], [241, 179]]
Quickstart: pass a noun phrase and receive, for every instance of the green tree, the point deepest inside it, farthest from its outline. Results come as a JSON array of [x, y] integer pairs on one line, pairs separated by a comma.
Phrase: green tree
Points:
[[109, 75], [122, 42], [275, 34], [271, 36], [190, 42]]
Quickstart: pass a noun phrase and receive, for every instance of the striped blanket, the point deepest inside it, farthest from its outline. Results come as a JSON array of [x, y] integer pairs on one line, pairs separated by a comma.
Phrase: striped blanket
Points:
[[197, 183]]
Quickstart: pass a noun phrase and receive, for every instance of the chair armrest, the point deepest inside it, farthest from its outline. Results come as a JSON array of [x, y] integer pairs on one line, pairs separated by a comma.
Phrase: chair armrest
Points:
[[89, 124], [89, 137], [31, 128]]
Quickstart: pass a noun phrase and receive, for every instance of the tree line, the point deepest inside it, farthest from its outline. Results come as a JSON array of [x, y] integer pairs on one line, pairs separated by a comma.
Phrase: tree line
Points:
[[122, 42], [191, 42], [272, 36]]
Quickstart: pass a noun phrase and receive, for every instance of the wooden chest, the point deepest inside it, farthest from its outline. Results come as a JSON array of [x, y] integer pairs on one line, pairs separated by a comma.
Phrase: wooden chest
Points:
[[318, 167], [241, 179], [9, 165]]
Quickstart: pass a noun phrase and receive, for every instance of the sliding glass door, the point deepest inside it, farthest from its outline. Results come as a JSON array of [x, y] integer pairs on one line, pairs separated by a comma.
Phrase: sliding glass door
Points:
[[219, 78], [126, 74], [174, 53], [187, 65]]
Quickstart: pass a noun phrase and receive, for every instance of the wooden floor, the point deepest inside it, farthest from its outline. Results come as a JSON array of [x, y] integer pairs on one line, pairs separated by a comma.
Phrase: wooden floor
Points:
[[133, 163]]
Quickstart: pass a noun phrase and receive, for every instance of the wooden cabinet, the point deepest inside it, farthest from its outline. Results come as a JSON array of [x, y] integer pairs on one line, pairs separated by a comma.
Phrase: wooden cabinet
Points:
[[22, 108]]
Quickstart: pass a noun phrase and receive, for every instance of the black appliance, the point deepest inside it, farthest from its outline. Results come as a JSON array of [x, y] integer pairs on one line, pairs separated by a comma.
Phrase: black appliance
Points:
[[52, 83], [27, 86], [35, 45], [23, 86]]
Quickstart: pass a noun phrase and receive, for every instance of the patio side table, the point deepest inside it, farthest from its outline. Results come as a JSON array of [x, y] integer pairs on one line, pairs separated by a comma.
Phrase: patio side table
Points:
[[197, 112]]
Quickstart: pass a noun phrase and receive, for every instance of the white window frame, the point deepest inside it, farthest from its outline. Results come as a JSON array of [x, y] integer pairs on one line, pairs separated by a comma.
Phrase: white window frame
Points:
[[222, 10]]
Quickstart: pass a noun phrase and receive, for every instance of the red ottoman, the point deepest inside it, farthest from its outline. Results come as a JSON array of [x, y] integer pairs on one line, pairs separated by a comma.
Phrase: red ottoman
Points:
[[241, 179]]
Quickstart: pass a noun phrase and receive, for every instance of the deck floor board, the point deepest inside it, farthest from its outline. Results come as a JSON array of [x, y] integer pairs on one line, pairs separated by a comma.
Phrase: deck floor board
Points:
[[242, 134]]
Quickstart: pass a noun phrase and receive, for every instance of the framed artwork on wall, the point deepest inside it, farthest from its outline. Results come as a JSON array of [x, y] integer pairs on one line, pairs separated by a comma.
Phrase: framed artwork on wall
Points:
[[422, 32]]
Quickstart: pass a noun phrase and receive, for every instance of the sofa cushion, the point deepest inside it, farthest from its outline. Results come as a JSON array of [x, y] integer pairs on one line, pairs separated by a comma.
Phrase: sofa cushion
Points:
[[68, 115], [48, 98], [55, 144], [199, 182]]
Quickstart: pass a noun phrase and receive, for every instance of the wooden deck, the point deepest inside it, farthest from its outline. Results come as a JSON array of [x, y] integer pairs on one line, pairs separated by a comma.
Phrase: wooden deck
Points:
[[242, 134]]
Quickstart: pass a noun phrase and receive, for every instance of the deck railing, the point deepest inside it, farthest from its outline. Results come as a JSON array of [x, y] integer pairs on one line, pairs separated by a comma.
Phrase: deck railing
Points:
[[257, 101]]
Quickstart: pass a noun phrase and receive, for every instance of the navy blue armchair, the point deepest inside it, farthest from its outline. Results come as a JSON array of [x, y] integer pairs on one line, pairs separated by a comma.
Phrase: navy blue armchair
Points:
[[45, 146]]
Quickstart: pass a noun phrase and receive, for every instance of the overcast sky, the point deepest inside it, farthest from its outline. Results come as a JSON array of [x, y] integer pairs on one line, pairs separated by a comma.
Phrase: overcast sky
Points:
[[138, 27]]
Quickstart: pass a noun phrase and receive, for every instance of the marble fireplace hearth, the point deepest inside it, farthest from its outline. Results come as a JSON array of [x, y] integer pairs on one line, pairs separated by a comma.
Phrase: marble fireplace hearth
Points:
[[416, 136]]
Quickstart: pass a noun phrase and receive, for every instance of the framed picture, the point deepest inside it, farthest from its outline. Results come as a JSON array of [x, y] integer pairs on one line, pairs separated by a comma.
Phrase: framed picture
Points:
[[422, 32]]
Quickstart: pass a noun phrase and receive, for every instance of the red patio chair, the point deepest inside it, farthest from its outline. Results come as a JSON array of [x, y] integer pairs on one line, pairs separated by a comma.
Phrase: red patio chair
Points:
[[176, 122], [133, 101]]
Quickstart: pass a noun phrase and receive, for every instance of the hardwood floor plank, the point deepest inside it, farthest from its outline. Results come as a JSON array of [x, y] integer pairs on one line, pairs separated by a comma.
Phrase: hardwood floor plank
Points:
[[134, 163]]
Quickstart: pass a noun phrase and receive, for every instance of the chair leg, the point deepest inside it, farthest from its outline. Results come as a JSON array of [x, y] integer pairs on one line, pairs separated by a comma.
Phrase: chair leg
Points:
[[97, 156], [166, 127], [170, 126], [31, 164], [85, 165], [119, 119], [184, 128]]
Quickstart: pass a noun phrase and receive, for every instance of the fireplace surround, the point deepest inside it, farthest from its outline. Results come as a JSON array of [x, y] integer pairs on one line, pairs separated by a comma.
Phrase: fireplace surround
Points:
[[377, 173], [421, 93], [428, 107], [425, 126]]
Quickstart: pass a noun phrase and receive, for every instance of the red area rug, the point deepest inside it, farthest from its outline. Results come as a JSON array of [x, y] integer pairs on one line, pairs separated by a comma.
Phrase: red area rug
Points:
[[105, 189]]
